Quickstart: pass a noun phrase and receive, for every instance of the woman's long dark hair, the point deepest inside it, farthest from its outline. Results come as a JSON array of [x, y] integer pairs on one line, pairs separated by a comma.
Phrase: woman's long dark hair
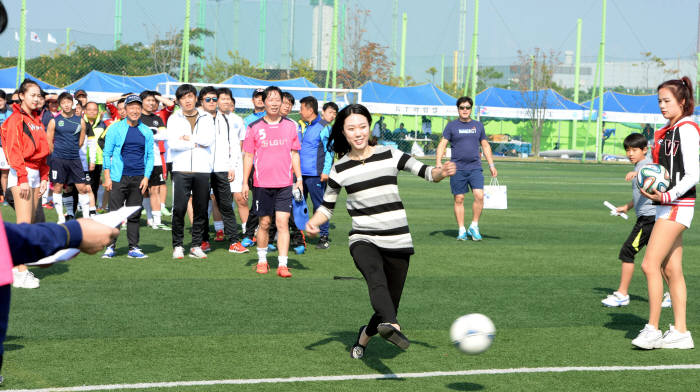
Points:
[[337, 142], [682, 90]]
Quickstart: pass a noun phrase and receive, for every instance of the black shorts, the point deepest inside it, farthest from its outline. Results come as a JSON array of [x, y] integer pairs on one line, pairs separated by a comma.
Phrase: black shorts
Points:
[[156, 176], [87, 177], [637, 239], [269, 200], [67, 171]]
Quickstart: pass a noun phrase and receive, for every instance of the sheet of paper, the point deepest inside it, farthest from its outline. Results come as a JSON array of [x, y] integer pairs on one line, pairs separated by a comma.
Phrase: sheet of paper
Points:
[[112, 219], [613, 210]]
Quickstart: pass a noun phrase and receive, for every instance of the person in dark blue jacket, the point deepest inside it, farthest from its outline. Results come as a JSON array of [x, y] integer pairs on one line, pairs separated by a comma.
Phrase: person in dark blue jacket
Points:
[[316, 159]]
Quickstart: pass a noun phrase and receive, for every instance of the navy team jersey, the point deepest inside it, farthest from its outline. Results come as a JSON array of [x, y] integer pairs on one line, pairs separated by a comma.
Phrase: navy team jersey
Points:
[[66, 137]]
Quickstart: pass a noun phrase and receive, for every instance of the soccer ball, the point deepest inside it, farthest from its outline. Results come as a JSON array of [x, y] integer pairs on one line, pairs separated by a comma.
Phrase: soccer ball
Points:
[[473, 333], [653, 176]]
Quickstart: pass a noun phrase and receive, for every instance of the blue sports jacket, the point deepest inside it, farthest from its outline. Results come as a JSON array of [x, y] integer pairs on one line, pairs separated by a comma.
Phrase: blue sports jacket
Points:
[[112, 153]]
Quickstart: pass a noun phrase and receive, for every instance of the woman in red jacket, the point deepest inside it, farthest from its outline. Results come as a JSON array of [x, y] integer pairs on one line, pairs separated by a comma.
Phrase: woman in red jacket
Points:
[[26, 148]]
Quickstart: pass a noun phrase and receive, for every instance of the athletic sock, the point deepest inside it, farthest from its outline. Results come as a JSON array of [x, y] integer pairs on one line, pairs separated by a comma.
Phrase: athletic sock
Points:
[[462, 230], [282, 261], [68, 203], [84, 201], [100, 196], [58, 205], [262, 255], [162, 206], [156, 218], [243, 228], [474, 225], [147, 206], [218, 225]]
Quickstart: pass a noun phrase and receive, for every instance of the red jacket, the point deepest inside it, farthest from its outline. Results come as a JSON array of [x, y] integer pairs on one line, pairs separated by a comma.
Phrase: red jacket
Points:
[[25, 144]]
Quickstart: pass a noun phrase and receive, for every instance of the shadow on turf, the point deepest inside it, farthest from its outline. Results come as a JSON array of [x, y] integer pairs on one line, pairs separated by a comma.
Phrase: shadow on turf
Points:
[[12, 346], [608, 290], [465, 386], [272, 262], [454, 233], [629, 323], [377, 351], [54, 269]]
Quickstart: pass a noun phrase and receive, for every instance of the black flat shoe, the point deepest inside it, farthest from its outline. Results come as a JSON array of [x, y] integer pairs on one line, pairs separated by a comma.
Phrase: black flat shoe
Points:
[[357, 350], [393, 335]]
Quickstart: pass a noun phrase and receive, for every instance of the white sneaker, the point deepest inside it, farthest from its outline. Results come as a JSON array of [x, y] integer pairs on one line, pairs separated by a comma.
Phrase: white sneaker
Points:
[[197, 253], [666, 303], [178, 252], [24, 279], [648, 338], [616, 299], [674, 339]]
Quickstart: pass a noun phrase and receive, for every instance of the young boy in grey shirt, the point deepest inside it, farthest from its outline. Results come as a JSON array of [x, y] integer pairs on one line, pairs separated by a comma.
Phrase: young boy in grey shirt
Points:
[[636, 149]]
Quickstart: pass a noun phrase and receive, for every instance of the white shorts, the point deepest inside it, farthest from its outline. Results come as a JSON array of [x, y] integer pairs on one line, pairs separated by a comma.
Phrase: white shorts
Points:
[[237, 183], [4, 165], [33, 178], [682, 214]]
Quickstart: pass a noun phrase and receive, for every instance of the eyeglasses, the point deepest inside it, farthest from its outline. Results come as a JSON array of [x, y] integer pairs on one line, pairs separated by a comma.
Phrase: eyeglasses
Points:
[[465, 107], [209, 99]]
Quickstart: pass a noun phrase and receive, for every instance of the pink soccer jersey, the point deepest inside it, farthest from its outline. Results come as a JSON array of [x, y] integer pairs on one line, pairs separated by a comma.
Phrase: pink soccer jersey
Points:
[[272, 145]]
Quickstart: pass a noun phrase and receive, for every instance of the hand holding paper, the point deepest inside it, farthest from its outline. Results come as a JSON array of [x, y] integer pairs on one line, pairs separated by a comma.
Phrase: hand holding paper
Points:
[[613, 210]]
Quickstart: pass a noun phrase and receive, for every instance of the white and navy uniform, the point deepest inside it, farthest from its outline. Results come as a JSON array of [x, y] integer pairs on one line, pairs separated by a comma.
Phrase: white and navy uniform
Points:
[[676, 149], [380, 240]]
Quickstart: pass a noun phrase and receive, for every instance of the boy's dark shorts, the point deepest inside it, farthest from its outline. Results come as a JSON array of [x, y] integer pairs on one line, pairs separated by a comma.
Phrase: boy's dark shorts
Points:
[[156, 176], [269, 200], [637, 239]]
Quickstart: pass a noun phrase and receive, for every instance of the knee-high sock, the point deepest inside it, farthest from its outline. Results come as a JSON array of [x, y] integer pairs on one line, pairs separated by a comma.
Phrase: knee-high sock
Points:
[[58, 205], [84, 201], [68, 203], [147, 205]]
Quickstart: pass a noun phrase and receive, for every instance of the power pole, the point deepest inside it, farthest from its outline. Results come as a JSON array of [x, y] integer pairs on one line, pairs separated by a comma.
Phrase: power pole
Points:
[[261, 36], [22, 43], [117, 23], [184, 75], [395, 33]]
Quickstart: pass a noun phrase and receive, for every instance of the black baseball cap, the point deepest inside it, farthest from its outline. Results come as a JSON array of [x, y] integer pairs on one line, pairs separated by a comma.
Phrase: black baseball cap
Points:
[[133, 98], [79, 93], [258, 91]]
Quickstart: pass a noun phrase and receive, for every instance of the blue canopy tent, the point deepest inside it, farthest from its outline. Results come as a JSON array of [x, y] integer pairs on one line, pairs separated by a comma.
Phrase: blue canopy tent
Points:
[[503, 103], [426, 100], [296, 83], [8, 79], [624, 108], [100, 82]]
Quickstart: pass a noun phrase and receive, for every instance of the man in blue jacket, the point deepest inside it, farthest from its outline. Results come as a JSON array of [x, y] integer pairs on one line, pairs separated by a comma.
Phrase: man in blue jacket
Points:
[[128, 163], [316, 159]]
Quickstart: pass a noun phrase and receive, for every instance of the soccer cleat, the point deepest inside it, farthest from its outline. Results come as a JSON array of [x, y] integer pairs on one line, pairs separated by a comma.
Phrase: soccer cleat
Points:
[[219, 236], [271, 248], [323, 242], [648, 338], [136, 253], [197, 253], [616, 299], [262, 268], [109, 253], [48, 205], [205, 246], [393, 335], [357, 351], [666, 302], [165, 212], [299, 249], [474, 233], [247, 242], [283, 272], [237, 248], [674, 339], [178, 252], [462, 236], [24, 279]]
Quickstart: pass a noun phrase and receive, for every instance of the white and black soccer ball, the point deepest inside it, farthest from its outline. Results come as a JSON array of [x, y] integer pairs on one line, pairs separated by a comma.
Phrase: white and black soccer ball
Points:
[[653, 177], [473, 333]]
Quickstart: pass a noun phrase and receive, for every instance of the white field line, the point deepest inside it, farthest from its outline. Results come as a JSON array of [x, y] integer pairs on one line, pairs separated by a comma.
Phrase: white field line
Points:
[[177, 384]]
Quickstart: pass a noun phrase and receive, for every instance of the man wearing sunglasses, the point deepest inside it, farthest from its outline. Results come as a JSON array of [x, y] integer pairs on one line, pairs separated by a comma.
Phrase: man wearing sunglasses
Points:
[[465, 137]]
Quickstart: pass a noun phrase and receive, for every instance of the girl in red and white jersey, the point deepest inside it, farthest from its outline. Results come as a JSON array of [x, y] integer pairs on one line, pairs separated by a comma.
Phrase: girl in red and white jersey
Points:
[[675, 148]]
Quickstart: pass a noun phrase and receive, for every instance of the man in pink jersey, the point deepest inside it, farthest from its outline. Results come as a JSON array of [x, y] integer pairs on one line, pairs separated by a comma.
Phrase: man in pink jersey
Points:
[[272, 145]]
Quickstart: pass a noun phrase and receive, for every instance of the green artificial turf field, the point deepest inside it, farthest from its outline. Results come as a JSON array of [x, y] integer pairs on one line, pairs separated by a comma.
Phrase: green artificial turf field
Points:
[[539, 274]]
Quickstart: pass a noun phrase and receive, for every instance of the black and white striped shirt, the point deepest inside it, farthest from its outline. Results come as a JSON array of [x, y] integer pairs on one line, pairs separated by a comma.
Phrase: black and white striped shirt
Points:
[[373, 201]]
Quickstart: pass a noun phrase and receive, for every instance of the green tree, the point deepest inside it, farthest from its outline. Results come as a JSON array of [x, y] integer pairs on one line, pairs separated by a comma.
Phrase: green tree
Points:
[[432, 71], [218, 70], [302, 68]]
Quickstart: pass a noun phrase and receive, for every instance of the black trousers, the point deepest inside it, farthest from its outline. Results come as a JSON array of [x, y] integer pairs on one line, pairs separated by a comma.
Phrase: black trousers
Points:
[[95, 180], [222, 194], [197, 185], [127, 190], [385, 274]]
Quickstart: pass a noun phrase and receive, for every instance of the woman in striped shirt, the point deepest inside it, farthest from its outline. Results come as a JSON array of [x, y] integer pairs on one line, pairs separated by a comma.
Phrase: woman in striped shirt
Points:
[[380, 241]]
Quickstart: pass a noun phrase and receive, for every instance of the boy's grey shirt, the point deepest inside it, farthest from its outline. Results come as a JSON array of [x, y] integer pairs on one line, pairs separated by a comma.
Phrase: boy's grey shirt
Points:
[[642, 205]]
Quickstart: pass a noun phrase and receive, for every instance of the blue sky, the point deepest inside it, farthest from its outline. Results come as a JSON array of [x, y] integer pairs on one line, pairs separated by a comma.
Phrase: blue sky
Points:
[[506, 26]]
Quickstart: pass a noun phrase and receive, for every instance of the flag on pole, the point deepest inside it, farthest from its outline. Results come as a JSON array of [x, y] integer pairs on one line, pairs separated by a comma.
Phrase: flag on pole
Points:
[[34, 37], [16, 36], [51, 39]]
